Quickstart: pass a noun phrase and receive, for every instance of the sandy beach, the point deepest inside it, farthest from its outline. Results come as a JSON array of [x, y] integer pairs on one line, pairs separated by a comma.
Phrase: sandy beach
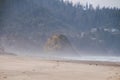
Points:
[[27, 68]]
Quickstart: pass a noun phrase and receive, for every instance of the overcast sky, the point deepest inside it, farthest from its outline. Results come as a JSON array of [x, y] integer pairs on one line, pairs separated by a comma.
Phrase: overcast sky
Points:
[[107, 3]]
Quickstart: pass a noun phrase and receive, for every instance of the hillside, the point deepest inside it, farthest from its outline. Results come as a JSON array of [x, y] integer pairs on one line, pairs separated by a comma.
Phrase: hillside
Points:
[[103, 41]]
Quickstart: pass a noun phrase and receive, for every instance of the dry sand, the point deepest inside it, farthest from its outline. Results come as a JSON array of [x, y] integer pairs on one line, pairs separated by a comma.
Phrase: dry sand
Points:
[[24, 68]]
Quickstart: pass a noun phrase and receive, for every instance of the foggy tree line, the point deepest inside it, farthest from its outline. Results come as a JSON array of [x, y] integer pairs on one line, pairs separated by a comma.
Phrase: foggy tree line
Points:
[[85, 17], [78, 16]]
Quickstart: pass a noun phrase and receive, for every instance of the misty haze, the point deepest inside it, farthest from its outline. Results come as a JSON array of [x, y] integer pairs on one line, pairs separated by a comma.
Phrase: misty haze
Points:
[[59, 31]]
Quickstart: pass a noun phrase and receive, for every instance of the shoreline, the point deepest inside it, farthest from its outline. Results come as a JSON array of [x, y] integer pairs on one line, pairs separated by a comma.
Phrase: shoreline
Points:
[[90, 62]]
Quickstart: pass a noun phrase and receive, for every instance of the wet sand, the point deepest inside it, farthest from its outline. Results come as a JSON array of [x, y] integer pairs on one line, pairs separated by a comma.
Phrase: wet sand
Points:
[[27, 68]]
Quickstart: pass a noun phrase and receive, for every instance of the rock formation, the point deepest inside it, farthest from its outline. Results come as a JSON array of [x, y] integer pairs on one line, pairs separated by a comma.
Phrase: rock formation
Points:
[[59, 44]]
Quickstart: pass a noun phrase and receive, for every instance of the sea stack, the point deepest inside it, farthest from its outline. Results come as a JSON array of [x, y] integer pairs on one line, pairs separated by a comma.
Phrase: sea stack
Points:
[[59, 44]]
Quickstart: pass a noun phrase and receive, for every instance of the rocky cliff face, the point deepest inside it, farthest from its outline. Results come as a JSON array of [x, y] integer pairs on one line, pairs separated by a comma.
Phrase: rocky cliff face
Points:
[[59, 44]]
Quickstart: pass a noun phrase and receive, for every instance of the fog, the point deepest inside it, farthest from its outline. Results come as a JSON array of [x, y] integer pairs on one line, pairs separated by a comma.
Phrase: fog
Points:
[[60, 31]]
